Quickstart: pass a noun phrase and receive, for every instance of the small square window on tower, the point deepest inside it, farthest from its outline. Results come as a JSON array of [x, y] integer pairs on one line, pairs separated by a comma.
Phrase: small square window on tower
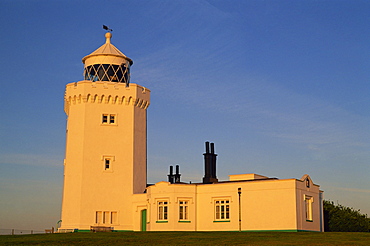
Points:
[[108, 119], [108, 163]]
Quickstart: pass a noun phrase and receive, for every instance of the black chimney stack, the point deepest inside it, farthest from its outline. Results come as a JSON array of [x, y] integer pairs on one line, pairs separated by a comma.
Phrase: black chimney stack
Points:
[[174, 178], [171, 176], [210, 165], [177, 175]]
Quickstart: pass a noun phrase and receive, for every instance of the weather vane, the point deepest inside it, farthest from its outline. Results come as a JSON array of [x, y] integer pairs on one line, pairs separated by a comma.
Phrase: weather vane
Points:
[[107, 28]]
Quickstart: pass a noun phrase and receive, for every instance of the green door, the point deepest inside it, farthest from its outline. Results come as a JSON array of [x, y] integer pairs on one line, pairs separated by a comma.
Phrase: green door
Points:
[[143, 220]]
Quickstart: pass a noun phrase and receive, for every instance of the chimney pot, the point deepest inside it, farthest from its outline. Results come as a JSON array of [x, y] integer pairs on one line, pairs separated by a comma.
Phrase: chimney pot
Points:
[[207, 147], [171, 176], [177, 175], [212, 148]]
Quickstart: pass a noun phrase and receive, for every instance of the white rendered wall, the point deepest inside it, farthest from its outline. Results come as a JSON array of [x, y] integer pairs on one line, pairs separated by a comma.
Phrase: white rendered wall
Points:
[[88, 187]]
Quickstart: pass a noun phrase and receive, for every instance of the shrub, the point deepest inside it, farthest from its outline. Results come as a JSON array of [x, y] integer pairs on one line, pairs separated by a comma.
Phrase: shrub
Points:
[[339, 218]]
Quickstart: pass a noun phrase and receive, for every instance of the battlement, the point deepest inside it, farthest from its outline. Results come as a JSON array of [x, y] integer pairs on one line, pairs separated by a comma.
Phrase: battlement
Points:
[[106, 92]]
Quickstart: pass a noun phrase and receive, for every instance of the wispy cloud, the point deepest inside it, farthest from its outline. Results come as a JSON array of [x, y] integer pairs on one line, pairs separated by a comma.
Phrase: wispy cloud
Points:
[[354, 190], [255, 101], [215, 78]]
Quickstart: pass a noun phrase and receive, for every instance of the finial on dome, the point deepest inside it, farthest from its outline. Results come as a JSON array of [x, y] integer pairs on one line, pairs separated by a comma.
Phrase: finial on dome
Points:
[[108, 36]]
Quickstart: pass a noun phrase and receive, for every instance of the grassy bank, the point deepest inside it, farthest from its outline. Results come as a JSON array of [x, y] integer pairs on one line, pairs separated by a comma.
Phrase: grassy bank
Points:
[[191, 238]]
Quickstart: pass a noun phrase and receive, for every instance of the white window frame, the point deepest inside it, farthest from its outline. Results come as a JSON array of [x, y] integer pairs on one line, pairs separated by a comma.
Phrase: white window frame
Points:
[[308, 200], [184, 210], [162, 210], [222, 209]]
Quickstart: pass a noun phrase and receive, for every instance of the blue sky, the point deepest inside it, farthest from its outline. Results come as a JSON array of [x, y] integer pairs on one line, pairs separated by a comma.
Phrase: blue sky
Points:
[[281, 87]]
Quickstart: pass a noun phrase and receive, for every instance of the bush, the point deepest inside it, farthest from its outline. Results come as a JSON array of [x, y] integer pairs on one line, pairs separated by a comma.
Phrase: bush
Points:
[[338, 218]]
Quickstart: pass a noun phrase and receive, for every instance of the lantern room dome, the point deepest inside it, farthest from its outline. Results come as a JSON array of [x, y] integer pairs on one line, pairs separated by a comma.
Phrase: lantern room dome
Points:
[[107, 63]]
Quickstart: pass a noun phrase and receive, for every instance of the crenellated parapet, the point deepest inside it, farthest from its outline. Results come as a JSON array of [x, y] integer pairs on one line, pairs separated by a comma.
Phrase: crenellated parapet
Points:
[[102, 92]]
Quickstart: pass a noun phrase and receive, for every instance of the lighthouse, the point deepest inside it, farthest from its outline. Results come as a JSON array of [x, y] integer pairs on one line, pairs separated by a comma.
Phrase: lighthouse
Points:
[[105, 169], [106, 152]]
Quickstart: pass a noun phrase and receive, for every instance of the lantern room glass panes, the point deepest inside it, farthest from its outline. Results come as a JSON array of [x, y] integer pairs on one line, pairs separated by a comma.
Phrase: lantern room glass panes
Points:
[[108, 72]]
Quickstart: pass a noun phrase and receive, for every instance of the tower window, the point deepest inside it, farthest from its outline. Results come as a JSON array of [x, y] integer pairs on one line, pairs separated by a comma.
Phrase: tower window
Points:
[[113, 217], [111, 119], [107, 163], [98, 217], [105, 119], [105, 217], [108, 119]]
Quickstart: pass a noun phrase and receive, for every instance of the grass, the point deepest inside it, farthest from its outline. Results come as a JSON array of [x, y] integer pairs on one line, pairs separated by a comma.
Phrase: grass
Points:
[[190, 238]]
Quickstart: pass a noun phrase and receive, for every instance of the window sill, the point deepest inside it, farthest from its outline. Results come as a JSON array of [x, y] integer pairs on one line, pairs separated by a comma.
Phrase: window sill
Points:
[[107, 171], [217, 221], [184, 221], [161, 221]]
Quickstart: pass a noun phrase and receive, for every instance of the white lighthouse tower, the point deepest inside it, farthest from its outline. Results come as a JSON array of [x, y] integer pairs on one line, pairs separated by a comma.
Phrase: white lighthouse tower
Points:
[[105, 160]]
